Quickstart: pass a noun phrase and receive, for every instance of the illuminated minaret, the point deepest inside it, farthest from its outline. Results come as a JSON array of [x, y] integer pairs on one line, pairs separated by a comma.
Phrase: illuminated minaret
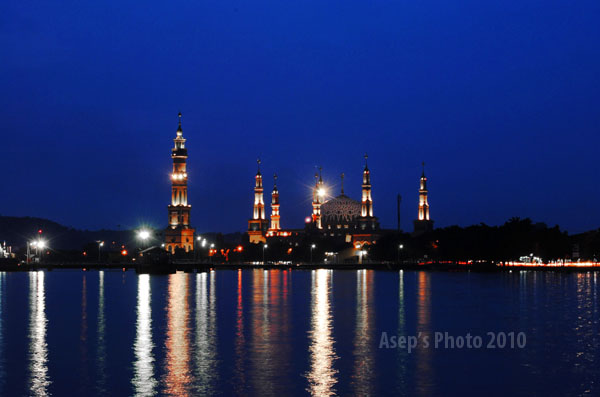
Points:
[[423, 224], [423, 204], [275, 206], [367, 220], [367, 202], [318, 198], [178, 233], [257, 226]]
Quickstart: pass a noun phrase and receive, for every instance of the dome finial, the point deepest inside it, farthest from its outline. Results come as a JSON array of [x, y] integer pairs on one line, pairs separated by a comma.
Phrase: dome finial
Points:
[[423, 164], [320, 176], [342, 176], [258, 165], [275, 181]]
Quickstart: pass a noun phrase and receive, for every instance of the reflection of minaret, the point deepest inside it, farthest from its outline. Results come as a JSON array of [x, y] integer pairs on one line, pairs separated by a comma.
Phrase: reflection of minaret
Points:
[[424, 376], [2, 360], [240, 341], [84, 377], [143, 380], [257, 226], [362, 377], [38, 381], [178, 233], [403, 355], [423, 224], [264, 375], [177, 377], [318, 198], [322, 375], [206, 335], [275, 206], [101, 343]]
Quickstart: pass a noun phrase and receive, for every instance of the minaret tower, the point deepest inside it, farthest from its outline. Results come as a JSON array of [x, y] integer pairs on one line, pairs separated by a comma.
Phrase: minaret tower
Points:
[[318, 198], [367, 220], [367, 201], [257, 226], [423, 204], [423, 224], [275, 207], [178, 233]]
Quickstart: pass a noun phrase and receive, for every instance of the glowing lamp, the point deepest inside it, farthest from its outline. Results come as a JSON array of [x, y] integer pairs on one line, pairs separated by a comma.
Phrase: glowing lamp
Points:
[[144, 234]]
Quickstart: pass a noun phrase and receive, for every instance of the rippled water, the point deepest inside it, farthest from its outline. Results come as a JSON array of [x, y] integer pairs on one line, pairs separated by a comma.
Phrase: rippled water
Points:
[[258, 332]]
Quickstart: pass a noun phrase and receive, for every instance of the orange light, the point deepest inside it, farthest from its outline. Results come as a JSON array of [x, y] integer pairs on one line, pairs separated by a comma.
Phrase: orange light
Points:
[[84, 253], [124, 252], [240, 248], [289, 251]]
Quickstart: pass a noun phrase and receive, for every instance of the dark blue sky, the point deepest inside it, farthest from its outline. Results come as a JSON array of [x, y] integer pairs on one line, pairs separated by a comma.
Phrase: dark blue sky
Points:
[[500, 98]]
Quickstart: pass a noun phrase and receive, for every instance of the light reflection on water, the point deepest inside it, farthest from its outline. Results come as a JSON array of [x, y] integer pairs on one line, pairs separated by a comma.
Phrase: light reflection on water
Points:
[[322, 375], [363, 335], [2, 359], [101, 338], [258, 333], [38, 347], [144, 381], [206, 334], [178, 375]]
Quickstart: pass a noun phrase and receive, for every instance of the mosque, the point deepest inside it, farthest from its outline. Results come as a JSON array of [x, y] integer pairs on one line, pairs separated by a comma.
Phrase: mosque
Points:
[[342, 218]]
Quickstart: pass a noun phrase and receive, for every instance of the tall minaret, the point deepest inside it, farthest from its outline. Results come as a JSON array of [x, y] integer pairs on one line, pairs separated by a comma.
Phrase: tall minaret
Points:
[[367, 220], [423, 204], [259, 203], [275, 206], [178, 233], [318, 198], [258, 224], [367, 201], [423, 224]]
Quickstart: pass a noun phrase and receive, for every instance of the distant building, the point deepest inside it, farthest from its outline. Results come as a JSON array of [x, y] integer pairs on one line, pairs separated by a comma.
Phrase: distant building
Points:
[[179, 234], [423, 224]]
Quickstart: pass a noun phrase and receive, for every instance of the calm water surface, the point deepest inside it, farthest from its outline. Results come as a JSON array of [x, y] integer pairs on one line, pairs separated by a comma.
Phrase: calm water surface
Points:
[[258, 332]]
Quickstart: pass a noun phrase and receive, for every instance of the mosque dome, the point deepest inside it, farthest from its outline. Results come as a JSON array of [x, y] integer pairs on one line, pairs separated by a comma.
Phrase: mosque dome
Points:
[[340, 210]]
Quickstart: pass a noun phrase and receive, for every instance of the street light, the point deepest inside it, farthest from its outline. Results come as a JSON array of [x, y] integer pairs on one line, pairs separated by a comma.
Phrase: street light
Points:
[[144, 235], [264, 247], [312, 247], [400, 248], [100, 245]]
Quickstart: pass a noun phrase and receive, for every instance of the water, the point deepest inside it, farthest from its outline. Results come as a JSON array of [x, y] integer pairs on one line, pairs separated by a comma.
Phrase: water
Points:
[[257, 332]]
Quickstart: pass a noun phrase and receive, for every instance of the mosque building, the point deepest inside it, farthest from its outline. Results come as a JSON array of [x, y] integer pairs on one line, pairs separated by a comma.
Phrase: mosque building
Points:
[[342, 217], [349, 219]]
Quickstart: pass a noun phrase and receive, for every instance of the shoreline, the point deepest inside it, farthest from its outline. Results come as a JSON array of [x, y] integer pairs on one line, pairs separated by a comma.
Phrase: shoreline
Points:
[[168, 268]]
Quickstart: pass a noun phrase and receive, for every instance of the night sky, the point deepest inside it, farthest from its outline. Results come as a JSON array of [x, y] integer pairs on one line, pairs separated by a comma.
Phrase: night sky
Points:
[[501, 99]]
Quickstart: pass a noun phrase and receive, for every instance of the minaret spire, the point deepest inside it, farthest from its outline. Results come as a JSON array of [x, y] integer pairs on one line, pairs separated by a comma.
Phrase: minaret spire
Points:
[[275, 226], [367, 201], [342, 177], [318, 197]]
